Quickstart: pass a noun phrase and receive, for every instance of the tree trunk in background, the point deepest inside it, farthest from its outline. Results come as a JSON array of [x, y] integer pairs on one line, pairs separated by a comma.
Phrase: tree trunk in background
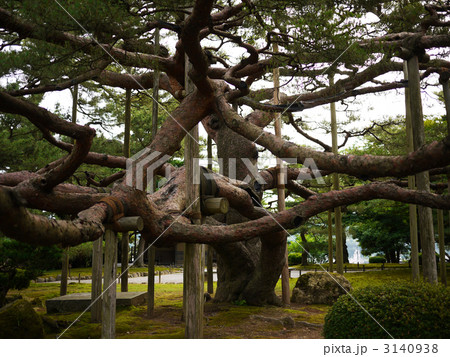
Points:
[[305, 249], [140, 253], [344, 247]]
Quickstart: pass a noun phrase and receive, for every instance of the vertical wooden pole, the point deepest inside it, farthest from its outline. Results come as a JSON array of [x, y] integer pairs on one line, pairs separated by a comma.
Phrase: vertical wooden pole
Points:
[[152, 250], [124, 262], [109, 287], [337, 210], [125, 235], [127, 129], [156, 75], [210, 252], [96, 289], [64, 272], [446, 90], [151, 281], [285, 290], [442, 265], [65, 256], [193, 254], [415, 272], [74, 103], [422, 178], [209, 270], [330, 242]]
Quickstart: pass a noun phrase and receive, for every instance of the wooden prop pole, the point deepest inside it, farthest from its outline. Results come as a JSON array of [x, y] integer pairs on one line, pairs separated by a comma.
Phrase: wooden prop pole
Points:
[[415, 271], [422, 178]]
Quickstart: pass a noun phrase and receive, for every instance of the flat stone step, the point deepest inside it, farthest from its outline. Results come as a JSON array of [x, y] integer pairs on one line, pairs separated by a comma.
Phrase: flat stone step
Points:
[[81, 301]]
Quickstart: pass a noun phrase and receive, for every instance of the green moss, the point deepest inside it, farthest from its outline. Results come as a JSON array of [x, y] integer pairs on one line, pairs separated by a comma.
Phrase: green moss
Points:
[[235, 315], [19, 320]]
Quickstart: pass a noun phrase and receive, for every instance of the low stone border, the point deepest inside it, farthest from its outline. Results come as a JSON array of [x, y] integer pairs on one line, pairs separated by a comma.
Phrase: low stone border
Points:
[[88, 277]]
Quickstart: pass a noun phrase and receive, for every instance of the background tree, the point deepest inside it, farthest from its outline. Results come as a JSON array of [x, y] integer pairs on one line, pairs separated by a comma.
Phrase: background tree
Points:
[[380, 227]]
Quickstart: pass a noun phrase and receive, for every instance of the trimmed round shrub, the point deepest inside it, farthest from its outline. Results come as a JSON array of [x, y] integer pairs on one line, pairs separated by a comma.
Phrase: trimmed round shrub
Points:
[[404, 310], [377, 259], [294, 258]]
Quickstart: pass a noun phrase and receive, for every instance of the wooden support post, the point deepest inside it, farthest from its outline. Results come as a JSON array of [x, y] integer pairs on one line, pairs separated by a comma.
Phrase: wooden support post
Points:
[[125, 235], [65, 256], [285, 289], [444, 79], [156, 75], [415, 272], [152, 250], [74, 103], [193, 254], [446, 91], [442, 265], [330, 241], [151, 281], [64, 272], [422, 178], [210, 252], [124, 262], [337, 210], [96, 289], [109, 287], [126, 224], [209, 270]]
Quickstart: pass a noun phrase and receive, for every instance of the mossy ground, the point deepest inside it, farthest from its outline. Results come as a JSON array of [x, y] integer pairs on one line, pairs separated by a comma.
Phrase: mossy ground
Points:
[[221, 320]]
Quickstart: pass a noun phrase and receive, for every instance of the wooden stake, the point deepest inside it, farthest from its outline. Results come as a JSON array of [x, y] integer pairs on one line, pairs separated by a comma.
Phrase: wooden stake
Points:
[[442, 265], [415, 272], [74, 103], [109, 288], [151, 281], [285, 289], [125, 235], [209, 270], [96, 289], [64, 272], [156, 75], [152, 250], [422, 178], [330, 242], [209, 257], [446, 91], [337, 210], [193, 254]]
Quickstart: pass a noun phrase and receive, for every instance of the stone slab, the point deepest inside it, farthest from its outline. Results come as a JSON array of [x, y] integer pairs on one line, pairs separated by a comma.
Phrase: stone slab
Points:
[[80, 301]]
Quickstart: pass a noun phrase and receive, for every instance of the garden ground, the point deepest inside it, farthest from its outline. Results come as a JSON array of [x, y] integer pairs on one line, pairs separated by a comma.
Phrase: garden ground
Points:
[[235, 320]]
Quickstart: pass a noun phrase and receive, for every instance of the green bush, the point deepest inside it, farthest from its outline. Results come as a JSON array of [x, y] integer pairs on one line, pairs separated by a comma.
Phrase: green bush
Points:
[[377, 259], [80, 256], [21, 262], [405, 310], [294, 258]]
